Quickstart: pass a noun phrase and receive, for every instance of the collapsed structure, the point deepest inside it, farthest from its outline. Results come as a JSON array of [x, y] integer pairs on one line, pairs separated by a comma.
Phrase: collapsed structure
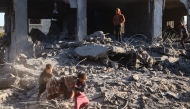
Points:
[[147, 70], [120, 75]]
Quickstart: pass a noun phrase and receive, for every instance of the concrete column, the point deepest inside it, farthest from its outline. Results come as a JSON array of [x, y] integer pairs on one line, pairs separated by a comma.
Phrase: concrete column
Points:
[[188, 16], [81, 19], [6, 30], [19, 30], [188, 23], [73, 3], [157, 18]]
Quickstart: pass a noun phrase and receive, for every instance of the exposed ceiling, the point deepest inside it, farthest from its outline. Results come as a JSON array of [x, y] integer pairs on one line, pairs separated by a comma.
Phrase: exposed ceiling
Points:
[[102, 3], [170, 4], [111, 3], [122, 3], [4, 4]]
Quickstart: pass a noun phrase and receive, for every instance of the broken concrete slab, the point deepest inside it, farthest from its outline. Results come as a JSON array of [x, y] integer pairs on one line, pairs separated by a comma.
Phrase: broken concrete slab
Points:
[[117, 50], [98, 37], [169, 52], [8, 82], [20, 70], [28, 82], [70, 44], [176, 96], [136, 77], [94, 51], [145, 58]]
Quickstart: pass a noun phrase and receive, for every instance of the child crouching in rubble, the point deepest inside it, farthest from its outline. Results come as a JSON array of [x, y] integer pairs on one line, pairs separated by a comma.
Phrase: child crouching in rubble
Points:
[[81, 101], [44, 76]]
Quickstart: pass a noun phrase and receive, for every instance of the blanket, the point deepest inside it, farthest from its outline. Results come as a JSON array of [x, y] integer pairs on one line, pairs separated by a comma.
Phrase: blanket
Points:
[[65, 85], [70, 81], [52, 88]]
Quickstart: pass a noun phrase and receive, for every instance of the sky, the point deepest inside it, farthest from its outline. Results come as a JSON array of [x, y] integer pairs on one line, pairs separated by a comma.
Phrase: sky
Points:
[[185, 19], [1, 19]]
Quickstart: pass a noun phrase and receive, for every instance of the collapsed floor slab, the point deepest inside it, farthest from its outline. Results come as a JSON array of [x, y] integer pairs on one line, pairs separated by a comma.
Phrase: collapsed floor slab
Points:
[[94, 51]]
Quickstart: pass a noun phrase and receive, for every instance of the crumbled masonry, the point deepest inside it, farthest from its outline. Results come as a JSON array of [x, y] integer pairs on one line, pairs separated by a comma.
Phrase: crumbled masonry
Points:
[[125, 75]]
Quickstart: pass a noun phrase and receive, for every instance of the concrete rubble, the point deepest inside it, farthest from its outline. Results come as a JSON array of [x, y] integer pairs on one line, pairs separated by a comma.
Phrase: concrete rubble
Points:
[[120, 75], [95, 51]]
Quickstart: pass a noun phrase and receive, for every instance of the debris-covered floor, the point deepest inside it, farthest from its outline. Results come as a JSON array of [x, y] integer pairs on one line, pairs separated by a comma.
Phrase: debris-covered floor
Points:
[[128, 75]]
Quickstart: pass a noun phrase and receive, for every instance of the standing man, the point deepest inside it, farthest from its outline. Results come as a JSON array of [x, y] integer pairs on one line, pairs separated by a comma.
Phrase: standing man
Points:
[[183, 30], [118, 20]]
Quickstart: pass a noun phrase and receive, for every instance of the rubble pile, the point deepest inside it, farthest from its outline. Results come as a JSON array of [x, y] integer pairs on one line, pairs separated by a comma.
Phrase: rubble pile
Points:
[[97, 37], [51, 37], [120, 75]]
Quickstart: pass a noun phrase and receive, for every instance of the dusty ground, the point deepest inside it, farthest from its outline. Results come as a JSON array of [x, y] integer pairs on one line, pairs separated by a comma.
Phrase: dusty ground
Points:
[[164, 85]]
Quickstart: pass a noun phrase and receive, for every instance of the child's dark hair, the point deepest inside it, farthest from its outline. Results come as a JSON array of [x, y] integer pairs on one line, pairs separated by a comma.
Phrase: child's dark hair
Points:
[[81, 75], [48, 66]]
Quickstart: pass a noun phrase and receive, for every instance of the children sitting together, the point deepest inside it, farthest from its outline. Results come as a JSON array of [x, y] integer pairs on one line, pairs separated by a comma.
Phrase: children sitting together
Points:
[[69, 86]]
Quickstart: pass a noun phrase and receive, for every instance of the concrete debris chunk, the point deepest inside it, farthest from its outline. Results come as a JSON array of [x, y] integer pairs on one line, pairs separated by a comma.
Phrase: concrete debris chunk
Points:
[[8, 82], [136, 77], [94, 51], [179, 73], [114, 65], [117, 50], [97, 36], [20, 70], [176, 96], [5, 95], [28, 82], [96, 96], [169, 52]]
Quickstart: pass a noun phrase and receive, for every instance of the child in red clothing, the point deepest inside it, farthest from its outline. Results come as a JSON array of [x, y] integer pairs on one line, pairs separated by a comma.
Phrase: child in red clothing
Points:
[[81, 101]]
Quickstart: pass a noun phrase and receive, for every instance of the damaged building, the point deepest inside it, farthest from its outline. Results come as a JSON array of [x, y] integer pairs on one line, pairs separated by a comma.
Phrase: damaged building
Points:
[[148, 69], [77, 18]]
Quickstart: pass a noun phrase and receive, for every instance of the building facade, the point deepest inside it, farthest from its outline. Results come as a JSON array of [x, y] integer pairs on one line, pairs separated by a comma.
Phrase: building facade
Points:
[[82, 17]]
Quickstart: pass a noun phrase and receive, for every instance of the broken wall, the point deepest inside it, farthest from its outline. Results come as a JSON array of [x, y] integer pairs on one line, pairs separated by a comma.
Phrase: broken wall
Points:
[[44, 26], [175, 15]]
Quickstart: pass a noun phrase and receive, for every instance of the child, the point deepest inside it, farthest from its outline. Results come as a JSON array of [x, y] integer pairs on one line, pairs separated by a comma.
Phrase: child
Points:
[[81, 100], [44, 76]]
